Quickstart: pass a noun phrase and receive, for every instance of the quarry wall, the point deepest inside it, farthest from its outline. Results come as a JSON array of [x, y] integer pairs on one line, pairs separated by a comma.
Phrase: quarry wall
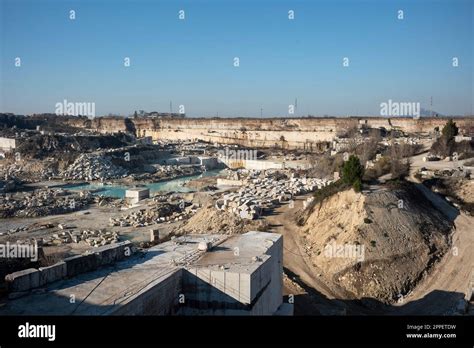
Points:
[[300, 133]]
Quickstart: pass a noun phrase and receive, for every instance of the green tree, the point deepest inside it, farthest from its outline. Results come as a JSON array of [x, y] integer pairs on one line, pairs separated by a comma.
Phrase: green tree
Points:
[[450, 130], [352, 172]]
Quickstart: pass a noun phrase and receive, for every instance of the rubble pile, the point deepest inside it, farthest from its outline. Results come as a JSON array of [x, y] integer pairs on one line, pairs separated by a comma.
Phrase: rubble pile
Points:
[[164, 212], [458, 173], [430, 158], [405, 140], [29, 171], [258, 195], [94, 167], [42, 203], [94, 238], [453, 172]]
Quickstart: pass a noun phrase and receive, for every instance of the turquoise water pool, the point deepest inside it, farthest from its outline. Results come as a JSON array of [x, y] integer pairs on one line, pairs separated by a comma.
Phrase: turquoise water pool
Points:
[[118, 191]]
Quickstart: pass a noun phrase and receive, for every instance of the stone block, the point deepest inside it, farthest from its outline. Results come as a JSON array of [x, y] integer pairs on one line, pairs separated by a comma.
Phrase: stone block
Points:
[[23, 280], [80, 264]]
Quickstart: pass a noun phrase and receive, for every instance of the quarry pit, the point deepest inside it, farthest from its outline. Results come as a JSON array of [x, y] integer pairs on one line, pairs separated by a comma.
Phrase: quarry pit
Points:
[[65, 183]]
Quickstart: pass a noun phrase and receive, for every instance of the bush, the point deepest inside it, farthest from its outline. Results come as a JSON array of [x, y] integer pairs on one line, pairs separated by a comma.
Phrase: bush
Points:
[[352, 172], [357, 185], [450, 130], [328, 191], [381, 167]]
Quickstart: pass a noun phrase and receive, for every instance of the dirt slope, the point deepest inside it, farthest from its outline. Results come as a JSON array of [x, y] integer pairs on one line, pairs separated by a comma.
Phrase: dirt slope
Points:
[[369, 246]]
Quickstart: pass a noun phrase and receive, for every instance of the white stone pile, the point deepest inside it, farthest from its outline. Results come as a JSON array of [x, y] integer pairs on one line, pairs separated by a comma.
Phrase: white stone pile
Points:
[[257, 195], [163, 213], [94, 167], [94, 238]]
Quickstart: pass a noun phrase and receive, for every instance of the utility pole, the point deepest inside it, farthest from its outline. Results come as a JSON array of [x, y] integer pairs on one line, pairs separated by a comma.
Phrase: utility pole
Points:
[[431, 106], [261, 112]]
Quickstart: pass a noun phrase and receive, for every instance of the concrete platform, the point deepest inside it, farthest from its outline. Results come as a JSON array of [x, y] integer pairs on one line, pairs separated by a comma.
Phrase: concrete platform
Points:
[[238, 275]]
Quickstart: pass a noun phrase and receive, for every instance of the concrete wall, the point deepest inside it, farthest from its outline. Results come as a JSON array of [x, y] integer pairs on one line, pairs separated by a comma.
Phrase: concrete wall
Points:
[[69, 267], [157, 298]]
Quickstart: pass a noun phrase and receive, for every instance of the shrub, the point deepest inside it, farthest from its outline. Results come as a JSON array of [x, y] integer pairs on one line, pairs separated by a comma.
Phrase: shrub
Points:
[[352, 172], [450, 130], [357, 185]]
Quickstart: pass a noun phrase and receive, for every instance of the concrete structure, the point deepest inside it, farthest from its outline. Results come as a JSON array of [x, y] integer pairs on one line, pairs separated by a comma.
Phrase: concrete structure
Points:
[[32, 278], [262, 164], [237, 275], [137, 194], [243, 276], [208, 162], [8, 144]]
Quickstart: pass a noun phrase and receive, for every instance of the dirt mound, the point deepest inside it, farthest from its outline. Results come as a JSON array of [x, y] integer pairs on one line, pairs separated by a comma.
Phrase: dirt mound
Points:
[[460, 191], [210, 220], [465, 190], [377, 244]]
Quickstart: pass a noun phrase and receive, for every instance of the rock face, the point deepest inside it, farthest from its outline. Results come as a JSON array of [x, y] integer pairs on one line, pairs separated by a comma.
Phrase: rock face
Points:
[[378, 244], [302, 133], [94, 167]]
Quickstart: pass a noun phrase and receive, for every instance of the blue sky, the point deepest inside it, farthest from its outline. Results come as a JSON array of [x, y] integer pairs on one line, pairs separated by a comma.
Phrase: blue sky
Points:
[[190, 62]]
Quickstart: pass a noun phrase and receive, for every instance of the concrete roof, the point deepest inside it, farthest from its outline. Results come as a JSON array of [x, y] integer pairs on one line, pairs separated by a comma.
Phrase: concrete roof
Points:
[[240, 253]]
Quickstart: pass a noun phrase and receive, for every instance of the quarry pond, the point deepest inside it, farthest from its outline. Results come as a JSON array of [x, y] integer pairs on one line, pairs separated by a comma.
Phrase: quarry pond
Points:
[[118, 191]]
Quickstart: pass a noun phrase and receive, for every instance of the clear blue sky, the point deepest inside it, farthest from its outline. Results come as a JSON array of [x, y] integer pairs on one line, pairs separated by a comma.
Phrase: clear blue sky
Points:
[[191, 62]]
